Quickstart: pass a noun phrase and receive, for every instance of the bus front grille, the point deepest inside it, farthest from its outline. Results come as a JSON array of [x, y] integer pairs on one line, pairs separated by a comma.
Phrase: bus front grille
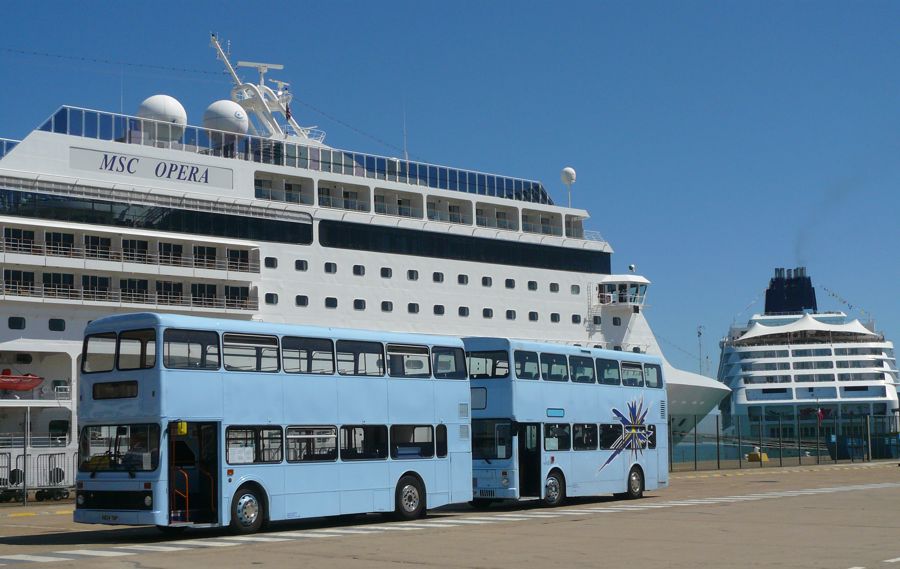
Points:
[[106, 500], [485, 493]]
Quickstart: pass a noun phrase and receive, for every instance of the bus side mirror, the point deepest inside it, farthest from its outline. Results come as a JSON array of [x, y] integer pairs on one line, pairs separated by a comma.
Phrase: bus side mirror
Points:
[[181, 428]]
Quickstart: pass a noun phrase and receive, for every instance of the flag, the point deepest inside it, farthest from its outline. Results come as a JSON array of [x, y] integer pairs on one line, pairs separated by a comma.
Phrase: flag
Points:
[[820, 415], [287, 112]]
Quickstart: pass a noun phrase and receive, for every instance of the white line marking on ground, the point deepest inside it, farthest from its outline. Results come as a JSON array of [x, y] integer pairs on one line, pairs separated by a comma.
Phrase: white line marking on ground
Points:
[[33, 558], [157, 548], [206, 543], [470, 521], [257, 538], [339, 531], [894, 560], [94, 553]]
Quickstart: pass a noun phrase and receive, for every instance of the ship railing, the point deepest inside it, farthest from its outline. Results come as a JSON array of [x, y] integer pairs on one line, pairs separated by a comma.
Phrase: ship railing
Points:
[[134, 130], [541, 228], [435, 215], [605, 298], [127, 256], [64, 292], [342, 203], [485, 221], [398, 210]]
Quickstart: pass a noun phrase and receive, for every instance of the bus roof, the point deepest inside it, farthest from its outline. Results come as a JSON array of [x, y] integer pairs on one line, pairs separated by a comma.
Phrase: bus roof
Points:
[[139, 320], [483, 343]]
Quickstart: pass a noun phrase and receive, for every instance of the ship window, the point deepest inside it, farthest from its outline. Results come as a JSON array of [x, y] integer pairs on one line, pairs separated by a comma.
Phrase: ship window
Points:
[[57, 325], [439, 309], [487, 312], [532, 285], [437, 277], [554, 317], [16, 323], [387, 306], [576, 319], [359, 304], [597, 320], [386, 272], [510, 314], [412, 308], [330, 268], [510, 283], [533, 316], [554, 287], [301, 300], [617, 321], [271, 263], [301, 265], [576, 289], [271, 298], [462, 279], [330, 302], [464, 311], [487, 281], [412, 275], [359, 270]]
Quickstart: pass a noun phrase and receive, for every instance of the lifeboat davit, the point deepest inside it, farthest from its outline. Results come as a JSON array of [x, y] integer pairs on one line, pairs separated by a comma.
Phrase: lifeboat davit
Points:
[[25, 382]]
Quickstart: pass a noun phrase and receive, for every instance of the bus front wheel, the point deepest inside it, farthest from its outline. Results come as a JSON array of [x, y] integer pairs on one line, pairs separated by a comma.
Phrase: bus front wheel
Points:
[[247, 510], [410, 499], [635, 484], [554, 489]]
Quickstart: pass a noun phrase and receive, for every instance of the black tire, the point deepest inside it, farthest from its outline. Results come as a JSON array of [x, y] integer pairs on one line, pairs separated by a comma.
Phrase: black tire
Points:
[[409, 499], [635, 484], [481, 503], [554, 490], [248, 510]]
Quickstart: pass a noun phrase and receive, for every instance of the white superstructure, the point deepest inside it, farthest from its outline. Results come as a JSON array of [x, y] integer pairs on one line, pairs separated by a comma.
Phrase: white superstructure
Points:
[[796, 367], [254, 217]]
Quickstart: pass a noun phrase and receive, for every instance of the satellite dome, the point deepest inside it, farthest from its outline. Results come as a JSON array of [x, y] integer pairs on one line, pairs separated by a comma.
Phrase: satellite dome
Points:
[[164, 108], [226, 115], [567, 175]]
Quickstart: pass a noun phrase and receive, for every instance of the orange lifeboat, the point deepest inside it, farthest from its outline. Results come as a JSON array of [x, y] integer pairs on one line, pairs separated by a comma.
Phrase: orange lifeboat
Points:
[[25, 382]]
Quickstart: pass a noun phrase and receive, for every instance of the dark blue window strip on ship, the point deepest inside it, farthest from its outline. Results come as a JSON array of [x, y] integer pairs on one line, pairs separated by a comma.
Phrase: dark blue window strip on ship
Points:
[[100, 212], [119, 128], [344, 235]]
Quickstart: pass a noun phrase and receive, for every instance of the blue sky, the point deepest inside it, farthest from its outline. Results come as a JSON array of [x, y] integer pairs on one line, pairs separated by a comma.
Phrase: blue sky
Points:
[[713, 141]]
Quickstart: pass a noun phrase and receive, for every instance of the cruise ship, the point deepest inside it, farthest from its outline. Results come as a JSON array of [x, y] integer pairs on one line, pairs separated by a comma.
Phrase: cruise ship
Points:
[[796, 368], [253, 216]]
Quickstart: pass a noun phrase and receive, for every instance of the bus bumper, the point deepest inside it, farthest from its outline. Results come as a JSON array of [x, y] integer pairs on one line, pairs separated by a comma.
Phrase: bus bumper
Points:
[[494, 484], [120, 517]]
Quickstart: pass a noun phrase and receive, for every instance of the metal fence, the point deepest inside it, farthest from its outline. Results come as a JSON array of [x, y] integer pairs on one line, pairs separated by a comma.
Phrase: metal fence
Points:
[[721, 442]]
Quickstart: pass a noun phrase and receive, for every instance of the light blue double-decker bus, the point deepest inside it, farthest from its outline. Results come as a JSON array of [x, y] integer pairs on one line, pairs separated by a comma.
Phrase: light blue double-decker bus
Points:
[[551, 421], [200, 422]]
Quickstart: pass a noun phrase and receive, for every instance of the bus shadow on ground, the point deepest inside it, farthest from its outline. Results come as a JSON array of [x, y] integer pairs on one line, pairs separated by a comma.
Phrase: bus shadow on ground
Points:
[[150, 535]]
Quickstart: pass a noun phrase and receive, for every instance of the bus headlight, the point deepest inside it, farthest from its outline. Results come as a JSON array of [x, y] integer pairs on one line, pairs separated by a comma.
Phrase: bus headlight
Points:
[[504, 481], [80, 499], [148, 501]]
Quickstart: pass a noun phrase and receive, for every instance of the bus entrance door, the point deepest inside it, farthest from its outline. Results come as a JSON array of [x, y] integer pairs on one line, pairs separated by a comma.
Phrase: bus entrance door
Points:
[[193, 472], [529, 459]]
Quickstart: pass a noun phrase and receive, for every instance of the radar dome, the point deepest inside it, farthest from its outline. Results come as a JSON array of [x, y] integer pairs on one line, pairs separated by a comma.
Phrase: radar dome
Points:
[[226, 115], [164, 108], [567, 175]]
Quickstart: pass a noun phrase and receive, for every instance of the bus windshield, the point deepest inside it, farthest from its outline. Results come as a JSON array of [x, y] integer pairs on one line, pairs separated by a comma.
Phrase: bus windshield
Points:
[[491, 439], [131, 448]]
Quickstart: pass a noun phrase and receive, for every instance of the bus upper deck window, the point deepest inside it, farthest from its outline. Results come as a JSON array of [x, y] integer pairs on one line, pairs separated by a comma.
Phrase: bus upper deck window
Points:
[[632, 375], [191, 349], [99, 353], [137, 349]]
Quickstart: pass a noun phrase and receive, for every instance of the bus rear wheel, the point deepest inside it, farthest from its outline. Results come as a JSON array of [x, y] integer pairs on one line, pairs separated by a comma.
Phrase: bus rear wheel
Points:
[[635, 488], [247, 510], [554, 490], [409, 499]]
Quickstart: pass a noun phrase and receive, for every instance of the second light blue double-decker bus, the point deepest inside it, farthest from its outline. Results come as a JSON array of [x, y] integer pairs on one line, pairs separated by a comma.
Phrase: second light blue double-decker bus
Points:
[[551, 420], [189, 421]]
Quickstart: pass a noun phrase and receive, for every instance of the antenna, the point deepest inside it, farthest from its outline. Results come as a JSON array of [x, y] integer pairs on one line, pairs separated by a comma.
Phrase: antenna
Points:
[[263, 68], [568, 178], [405, 151], [700, 347]]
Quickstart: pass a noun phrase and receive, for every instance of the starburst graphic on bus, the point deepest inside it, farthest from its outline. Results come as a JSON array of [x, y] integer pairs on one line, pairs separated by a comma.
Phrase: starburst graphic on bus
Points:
[[635, 434]]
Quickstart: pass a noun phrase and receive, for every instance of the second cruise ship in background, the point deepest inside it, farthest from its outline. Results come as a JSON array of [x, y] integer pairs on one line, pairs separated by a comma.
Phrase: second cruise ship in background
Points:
[[803, 370], [253, 216]]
